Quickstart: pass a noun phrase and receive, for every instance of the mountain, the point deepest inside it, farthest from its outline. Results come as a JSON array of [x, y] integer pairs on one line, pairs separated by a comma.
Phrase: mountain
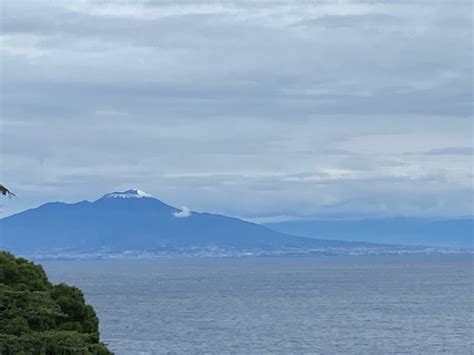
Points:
[[407, 231], [135, 223], [134, 220]]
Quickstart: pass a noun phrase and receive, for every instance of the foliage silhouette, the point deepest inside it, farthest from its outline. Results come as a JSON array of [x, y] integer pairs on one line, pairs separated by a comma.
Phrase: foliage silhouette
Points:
[[37, 317]]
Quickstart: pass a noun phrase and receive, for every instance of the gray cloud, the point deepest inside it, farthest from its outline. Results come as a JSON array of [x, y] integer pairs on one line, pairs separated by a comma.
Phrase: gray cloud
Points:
[[449, 151], [252, 109]]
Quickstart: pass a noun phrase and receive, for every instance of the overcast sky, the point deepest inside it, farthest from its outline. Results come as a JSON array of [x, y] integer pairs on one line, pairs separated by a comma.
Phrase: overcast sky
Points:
[[263, 110]]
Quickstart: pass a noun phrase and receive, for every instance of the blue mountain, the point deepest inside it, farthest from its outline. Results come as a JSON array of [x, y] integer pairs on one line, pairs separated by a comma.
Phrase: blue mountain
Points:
[[134, 220], [407, 231]]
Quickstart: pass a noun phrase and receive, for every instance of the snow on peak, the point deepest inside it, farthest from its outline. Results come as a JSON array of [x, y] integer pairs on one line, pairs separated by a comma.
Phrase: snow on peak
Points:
[[133, 193]]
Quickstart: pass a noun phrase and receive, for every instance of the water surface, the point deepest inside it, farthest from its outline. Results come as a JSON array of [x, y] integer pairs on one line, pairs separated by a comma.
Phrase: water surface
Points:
[[406, 304]]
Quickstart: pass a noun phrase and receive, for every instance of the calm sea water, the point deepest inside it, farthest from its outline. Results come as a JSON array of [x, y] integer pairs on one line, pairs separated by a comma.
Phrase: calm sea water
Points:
[[359, 305]]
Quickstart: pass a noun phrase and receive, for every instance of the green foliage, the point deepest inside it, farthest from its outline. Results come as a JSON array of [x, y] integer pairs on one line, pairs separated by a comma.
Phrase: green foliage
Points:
[[51, 342], [37, 317], [80, 317], [20, 273]]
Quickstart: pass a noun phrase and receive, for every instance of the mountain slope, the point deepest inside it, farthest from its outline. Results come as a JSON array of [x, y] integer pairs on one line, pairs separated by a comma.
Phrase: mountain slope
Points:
[[408, 231], [133, 220]]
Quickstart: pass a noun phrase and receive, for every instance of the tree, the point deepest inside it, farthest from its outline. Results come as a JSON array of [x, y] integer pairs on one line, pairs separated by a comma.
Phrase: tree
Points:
[[37, 317]]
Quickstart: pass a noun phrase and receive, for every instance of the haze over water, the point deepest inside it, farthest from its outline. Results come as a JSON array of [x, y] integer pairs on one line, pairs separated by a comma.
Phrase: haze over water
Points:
[[417, 304]]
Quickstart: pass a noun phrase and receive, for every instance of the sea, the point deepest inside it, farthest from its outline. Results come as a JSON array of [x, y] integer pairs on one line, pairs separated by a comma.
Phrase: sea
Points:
[[281, 305]]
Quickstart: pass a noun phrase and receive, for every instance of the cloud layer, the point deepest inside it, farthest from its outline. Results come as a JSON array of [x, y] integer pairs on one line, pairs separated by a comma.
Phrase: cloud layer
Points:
[[252, 109]]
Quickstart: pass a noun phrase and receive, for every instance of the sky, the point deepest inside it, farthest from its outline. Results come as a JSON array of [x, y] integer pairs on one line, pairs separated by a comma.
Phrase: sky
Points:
[[257, 109]]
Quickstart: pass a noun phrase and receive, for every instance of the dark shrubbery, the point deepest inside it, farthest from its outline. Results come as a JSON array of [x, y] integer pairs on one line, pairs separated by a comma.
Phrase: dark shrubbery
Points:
[[37, 317]]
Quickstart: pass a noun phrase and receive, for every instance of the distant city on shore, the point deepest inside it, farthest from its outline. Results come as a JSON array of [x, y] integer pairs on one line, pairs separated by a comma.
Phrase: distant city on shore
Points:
[[134, 224]]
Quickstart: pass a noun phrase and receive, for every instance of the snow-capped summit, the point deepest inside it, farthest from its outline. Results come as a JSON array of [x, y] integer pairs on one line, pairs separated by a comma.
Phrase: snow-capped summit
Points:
[[132, 193]]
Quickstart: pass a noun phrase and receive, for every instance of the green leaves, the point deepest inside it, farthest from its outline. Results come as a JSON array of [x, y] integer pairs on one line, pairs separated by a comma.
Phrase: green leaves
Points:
[[20, 273], [51, 342], [37, 311], [37, 317]]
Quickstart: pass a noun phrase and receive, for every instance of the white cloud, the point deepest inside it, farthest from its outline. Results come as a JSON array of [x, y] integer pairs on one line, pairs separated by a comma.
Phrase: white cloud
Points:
[[185, 212]]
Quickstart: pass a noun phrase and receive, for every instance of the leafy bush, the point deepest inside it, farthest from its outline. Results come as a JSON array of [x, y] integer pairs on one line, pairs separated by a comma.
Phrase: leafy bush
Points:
[[37, 317]]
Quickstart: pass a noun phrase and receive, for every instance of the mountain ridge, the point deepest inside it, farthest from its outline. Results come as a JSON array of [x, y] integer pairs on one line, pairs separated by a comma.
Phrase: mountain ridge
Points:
[[124, 223], [454, 232], [134, 221]]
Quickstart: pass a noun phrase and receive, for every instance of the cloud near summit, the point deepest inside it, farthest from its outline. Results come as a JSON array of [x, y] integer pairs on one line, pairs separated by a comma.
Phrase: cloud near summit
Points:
[[185, 212]]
